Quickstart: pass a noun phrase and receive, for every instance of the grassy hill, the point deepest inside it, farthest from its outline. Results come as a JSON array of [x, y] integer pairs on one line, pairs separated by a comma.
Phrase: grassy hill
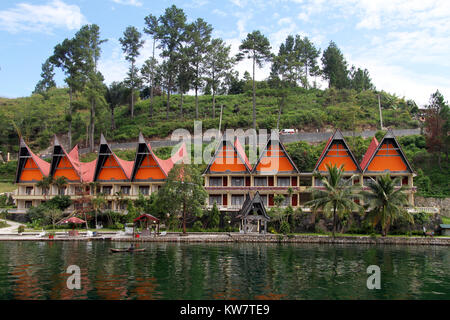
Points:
[[38, 118]]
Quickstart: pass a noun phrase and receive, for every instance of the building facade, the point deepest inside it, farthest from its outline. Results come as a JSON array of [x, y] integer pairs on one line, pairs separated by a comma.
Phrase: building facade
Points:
[[116, 179], [228, 179]]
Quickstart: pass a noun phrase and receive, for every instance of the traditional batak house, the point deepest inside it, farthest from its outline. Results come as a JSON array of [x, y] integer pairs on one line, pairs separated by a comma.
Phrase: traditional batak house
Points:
[[337, 152], [388, 157], [109, 175], [229, 176]]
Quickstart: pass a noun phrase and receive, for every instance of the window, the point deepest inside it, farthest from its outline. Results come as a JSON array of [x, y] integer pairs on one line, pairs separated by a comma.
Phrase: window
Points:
[[318, 182], [283, 182], [29, 191], [261, 181], [109, 205], [28, 204], [107, 190], [144, 190], [237, 200], [78, 190], [217, 198], [237, 181], [125, 189], [264, 199], [368, 180], [62, 191], [215, 182], [123, 205], [45, 191]]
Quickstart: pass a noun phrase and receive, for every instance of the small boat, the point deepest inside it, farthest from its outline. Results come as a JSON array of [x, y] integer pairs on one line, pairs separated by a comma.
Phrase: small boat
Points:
[[113, 250]]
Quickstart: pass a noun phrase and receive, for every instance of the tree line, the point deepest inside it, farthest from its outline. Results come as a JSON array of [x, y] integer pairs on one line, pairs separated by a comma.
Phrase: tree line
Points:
[[190, 59]]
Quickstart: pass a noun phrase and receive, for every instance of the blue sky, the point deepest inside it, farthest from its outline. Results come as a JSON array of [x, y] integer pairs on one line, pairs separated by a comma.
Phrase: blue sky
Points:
[[405, 44]]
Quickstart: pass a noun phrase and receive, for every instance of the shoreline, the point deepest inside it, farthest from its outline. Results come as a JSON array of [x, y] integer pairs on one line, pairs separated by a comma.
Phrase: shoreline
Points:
[[241, 238]]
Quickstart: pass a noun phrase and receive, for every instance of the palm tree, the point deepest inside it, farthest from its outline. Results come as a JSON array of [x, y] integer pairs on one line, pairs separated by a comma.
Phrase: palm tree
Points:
[[98, 203], [336, 198], [45, 184], [385, 202]]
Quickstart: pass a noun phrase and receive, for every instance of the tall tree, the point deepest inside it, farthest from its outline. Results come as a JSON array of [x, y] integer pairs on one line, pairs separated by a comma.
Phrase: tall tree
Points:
[[287, 63], [148, 73], [360, 79], [335, 67], [131, 44], [115, 95], [152, 27], [68, 56], [199, 35], [308, 55], [185, 75], [183, 193], [336, 199], [385, 203], [170, 33], [88, 40], [218, 64], [256, 47], [47, 80], [436, 126]]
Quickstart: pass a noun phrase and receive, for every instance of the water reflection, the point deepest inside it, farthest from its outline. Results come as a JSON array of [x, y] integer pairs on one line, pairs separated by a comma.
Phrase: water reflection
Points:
[[37, 270]]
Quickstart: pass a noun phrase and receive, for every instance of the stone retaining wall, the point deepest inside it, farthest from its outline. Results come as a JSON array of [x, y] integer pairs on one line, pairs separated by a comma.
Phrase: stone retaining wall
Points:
[[442, 203], [254, 238]]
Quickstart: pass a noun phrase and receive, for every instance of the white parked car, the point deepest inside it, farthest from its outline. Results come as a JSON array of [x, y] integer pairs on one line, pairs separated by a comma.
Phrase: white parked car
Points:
[[288, 131]]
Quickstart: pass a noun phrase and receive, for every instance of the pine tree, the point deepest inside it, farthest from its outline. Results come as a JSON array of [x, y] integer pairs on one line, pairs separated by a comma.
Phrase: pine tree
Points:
[[256, 47], [335, 67], [131, 44]]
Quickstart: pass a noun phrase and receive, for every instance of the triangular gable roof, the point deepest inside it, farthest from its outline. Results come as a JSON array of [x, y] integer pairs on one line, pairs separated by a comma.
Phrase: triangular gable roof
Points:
[[389, 138], [59, 153], [232, 145], [143, 151], [251, 203], [338, 138], [275, 139], [24, 154], [240, 150], [369, 153], [104, 153]]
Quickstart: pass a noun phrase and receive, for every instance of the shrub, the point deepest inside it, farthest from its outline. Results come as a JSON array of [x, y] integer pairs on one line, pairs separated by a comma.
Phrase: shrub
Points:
[[285, 228], [21, 229]]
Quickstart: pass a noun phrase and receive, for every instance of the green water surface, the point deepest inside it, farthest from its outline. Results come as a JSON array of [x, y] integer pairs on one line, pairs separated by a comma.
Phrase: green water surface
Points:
[[37, 270]]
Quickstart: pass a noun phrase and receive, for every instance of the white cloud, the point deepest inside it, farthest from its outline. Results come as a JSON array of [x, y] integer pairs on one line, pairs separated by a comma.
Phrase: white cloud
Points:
[[219, 12], [135, 3], [41, 18]]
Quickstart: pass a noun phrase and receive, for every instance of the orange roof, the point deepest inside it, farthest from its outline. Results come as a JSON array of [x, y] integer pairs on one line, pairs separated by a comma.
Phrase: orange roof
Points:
[[274, 158], [388, 156], [36, 163], [145, 155], [227, 158], [337, 152]]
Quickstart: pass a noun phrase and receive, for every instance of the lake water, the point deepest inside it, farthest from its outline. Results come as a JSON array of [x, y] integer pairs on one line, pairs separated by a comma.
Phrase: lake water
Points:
[[37, 270]]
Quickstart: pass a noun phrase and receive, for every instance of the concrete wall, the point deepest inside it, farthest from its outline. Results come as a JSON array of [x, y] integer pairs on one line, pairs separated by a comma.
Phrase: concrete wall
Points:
[[442, 203]]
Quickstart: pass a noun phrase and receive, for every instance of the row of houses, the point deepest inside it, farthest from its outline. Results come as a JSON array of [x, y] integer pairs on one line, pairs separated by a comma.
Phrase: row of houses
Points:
[[229, 177]]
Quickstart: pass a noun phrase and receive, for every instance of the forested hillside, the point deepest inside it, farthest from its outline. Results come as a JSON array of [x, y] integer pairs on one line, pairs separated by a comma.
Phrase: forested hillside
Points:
[[39, 117]]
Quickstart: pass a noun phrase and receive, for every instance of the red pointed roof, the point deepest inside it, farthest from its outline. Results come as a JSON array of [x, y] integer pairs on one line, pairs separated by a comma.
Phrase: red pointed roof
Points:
[[324, 150], [240, 150], [370, 151], [88, 170], [43, 165]]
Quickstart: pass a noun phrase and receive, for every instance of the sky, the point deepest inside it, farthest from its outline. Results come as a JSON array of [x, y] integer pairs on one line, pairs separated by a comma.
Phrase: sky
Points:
[[405, 44]]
